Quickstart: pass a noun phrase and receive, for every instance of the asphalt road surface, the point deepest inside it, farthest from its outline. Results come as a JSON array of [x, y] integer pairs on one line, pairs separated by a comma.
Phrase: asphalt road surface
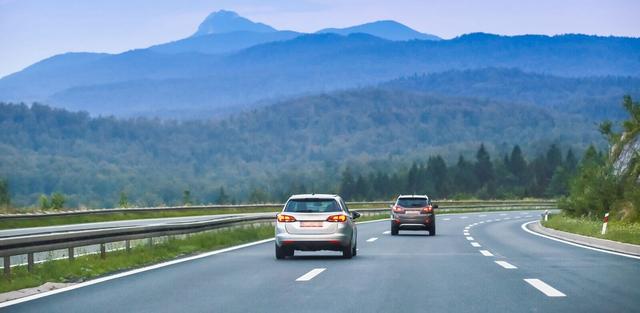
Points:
[[491, 266]]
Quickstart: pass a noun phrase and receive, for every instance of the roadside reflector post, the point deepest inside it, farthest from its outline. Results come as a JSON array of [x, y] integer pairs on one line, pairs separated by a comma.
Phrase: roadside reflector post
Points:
[[71, 254], [127, 245], [7, 265], [546, 215], [30, 262], [103, 251], [604, 224]]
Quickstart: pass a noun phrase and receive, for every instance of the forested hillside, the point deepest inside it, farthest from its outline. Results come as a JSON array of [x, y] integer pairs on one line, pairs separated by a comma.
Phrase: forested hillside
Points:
[[303, 141]]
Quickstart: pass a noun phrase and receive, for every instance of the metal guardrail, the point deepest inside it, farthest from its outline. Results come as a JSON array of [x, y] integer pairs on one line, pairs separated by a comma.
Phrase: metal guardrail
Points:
[[442, 203], [35, 243]]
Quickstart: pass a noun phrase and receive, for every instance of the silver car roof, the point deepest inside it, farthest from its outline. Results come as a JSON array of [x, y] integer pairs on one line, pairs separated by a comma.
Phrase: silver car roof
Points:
[[314, 196]]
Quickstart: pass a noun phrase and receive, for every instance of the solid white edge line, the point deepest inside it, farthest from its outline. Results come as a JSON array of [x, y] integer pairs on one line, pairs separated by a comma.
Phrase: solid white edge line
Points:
[[506, 265], [475, 244], [128, 273], [486, 253], [311, 274], [544, 288], [372, 239], [524, 227]]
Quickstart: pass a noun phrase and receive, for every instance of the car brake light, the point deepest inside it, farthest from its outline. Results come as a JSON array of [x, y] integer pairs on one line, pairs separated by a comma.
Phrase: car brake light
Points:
[[337, 218], [286, 218], [428, 209], [398, 209]]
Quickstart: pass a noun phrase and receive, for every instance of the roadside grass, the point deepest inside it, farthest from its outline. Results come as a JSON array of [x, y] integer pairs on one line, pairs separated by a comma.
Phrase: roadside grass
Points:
[[616, 230], [110, 217], [90, 266]]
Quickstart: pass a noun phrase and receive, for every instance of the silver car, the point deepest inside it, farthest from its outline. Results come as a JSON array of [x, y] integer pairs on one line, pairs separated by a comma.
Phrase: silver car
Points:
[[313, 222]]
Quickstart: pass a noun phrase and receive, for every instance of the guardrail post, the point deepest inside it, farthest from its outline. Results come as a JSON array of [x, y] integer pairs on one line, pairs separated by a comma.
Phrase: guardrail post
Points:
[[103, 251], [7, 265], [127, 245], [150, 241], [71, 254], [30, 262]]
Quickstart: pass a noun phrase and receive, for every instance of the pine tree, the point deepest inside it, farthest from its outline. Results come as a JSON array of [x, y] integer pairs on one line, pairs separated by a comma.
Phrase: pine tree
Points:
[[438, 176], [347, 185], [518, 165], [223, 198], [5, 197], [483, 167], [571, 163], [123, 202], [464, 178], [554, 159], [186, 197]]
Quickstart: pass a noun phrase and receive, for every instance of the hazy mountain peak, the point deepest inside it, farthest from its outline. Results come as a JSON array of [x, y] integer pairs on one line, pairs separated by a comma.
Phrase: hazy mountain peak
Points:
[[387, 29], [228, 21]]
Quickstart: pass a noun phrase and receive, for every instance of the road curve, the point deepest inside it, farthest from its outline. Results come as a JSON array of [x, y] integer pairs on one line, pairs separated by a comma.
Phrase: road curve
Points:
[[478, 262]]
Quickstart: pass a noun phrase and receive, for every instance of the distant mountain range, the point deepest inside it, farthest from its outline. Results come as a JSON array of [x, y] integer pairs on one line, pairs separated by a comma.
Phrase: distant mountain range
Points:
[[232, 63]]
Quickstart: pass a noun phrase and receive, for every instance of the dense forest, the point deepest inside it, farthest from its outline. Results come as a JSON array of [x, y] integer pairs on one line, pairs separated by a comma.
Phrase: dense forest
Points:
[[267, 153], [609, 183]]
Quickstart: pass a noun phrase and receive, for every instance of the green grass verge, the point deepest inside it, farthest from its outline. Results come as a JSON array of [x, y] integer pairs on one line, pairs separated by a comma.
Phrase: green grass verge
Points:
[[91, 266], [110, 217], [616, 230]]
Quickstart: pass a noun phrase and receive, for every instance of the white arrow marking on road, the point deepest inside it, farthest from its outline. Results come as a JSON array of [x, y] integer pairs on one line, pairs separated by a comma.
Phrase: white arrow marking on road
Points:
[[372, 239], [506, 265], [544, 288], [475, 244], [311, 274], [469, 238], [486, 253]]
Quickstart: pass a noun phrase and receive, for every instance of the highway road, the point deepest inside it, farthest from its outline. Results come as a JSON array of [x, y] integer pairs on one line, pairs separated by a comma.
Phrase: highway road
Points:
[[478, 262]]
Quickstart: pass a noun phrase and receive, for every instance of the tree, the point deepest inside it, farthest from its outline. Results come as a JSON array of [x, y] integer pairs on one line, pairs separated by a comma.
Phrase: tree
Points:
[[347, 184], [44, 203], [5, 197], [483, 166], [57, 201], [438, 175], [554, 160], [186, 197], [518, 165], [258, 195], [464, 178], [571, 163], [123, 202], [223, 198]]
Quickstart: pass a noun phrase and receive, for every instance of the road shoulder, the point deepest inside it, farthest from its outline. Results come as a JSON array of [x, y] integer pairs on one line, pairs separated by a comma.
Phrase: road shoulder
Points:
[[604, 244]]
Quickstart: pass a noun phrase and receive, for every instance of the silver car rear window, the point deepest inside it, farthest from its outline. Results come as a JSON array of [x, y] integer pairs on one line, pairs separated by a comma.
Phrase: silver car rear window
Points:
[[312, 206]]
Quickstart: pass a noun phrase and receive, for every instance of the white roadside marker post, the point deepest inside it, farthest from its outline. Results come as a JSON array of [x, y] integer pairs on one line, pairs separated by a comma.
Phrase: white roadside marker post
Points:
[[546, 215], [604, 224]]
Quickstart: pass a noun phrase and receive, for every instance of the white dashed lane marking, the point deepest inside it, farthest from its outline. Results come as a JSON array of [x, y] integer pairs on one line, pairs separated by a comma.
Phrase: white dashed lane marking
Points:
[[372, 239], [463, 217], [386, 232], [446, 219], [544, 288], [311, 274], [475, 244], [506, 265], [469, 238], [486, 253]]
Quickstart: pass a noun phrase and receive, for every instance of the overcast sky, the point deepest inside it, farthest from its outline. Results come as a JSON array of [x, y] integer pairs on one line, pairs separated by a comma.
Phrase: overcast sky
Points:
[[31, 30]]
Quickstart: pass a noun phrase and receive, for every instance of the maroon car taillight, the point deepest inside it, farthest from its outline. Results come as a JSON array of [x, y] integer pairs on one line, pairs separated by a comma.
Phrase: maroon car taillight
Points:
[[398, 209], [427, 210]]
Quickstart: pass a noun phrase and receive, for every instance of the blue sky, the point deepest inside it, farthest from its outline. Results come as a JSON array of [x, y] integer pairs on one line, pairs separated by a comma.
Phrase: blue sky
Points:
[[31, 30]]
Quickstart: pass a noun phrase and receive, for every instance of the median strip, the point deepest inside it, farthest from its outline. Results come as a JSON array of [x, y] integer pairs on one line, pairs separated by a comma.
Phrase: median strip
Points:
[[311, 274]]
